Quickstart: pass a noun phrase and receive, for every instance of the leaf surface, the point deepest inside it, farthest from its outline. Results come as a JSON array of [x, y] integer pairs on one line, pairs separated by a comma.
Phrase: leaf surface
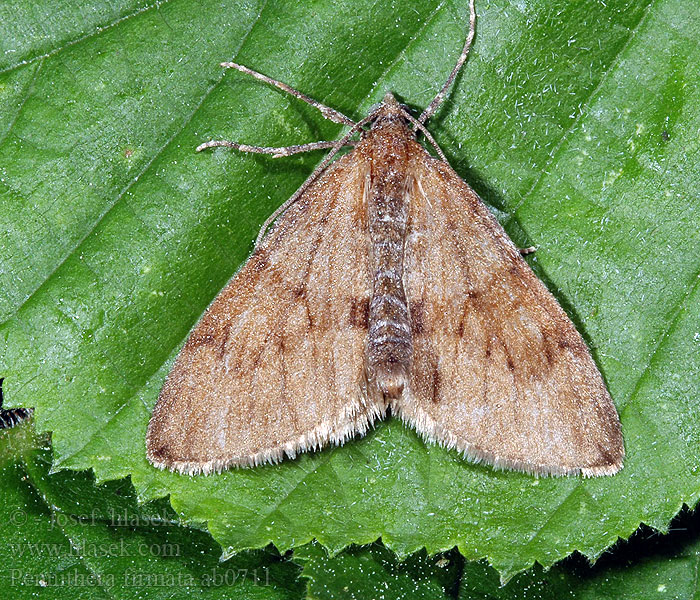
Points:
[[576, 122], [64, 537]]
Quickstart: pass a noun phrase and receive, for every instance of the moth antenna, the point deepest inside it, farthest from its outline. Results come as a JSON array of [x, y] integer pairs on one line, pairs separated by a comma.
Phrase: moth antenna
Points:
[[276, 152], [336, 148], [440, 97], [329, 113]]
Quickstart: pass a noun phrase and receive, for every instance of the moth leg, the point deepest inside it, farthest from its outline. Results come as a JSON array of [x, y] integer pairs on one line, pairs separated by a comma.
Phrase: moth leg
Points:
[[276, 152], [528, 250], [13, 416], [427, 135], [329, 113]]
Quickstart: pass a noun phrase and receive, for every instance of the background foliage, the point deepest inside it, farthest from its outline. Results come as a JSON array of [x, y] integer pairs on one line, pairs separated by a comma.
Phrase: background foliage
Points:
[[577, 122]]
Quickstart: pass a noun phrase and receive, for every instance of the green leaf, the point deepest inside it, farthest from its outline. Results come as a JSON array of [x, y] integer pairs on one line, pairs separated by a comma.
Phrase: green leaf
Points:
[[64, 537], [576, 121], [373, 572], [647, 567]]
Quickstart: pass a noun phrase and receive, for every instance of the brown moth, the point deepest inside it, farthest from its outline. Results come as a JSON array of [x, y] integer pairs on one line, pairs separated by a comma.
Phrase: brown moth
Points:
[[384, 283]]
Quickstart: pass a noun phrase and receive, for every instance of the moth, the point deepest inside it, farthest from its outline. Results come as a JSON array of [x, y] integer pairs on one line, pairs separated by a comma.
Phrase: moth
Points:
[[384, 284]]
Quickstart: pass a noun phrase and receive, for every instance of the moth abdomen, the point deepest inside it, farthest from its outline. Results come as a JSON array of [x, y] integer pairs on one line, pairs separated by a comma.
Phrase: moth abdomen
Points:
[[389, 343]]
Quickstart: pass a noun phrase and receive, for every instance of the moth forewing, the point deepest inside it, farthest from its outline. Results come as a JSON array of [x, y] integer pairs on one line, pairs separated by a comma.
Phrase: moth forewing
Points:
[[276, 364], [498, 369]]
